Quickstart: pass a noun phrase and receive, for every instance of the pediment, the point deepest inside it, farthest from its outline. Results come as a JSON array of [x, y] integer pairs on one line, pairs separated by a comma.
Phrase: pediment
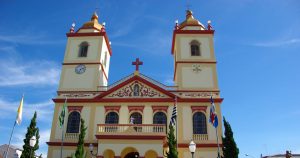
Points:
[[136, 87]]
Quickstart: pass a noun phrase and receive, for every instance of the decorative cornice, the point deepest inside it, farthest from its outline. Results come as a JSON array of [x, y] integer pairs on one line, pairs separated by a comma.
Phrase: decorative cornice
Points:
[[134, 137], [160, 108], [75, 108], [112, 108], [136, 108], [93, 34], [199, 108]]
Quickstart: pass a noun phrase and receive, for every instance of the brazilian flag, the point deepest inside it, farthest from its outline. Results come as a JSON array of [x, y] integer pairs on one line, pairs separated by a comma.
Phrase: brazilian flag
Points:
[[62, 115]]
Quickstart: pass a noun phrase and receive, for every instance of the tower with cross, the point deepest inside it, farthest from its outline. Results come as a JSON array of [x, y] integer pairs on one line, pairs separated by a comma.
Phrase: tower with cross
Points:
[[130, 117]]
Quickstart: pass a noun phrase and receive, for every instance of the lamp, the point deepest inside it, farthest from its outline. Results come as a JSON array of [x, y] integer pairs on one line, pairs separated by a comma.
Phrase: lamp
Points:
[[192, 148], [91, 147], [165, 152], [32, 143]]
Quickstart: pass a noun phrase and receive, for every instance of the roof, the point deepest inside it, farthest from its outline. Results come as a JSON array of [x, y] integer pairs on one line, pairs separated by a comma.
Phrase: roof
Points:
[[190, 21], [93, 23]]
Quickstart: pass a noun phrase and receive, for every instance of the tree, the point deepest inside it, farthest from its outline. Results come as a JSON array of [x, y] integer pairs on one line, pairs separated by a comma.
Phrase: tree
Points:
[[172, 143], [230, 149], [32, 130], [80, 153]]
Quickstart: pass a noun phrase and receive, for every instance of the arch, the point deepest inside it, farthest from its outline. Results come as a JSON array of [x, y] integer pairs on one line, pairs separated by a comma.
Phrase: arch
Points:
[[195, 48], [129, 152], [151, 154], [108, 154], [160, 118], [112, 118], [199, 123], [83, 49], [137, 118], [73, 122]]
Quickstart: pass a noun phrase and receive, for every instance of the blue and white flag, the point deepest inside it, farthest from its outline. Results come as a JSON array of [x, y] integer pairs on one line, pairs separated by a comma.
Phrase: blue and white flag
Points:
[[213, 117], [174, 114]]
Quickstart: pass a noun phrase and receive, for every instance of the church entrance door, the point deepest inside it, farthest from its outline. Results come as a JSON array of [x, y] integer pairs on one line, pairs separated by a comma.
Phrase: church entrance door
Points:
[[132, 155]]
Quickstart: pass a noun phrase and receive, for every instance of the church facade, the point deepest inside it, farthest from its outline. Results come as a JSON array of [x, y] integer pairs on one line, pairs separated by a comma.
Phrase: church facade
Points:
[[130, 117]]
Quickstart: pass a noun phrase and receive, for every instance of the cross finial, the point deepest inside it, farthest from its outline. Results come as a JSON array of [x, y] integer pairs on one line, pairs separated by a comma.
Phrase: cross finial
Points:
[[137, 63], [188, 5]]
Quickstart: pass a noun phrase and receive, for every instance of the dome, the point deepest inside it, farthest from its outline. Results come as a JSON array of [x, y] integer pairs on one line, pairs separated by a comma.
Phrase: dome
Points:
[[93, 23], [190, 21]]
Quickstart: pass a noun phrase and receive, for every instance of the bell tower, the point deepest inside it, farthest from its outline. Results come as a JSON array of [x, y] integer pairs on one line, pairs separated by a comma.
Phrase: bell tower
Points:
[[87, 57], [194, 57]]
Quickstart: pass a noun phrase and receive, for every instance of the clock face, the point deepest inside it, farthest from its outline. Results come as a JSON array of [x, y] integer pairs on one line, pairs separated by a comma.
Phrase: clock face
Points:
[[80, 69]]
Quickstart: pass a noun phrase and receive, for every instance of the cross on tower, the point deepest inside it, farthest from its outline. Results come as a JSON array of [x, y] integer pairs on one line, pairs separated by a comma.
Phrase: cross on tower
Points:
[[137, 63]]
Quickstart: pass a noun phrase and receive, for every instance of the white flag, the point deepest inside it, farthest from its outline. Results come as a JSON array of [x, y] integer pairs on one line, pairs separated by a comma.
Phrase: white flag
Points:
[[20, 111]]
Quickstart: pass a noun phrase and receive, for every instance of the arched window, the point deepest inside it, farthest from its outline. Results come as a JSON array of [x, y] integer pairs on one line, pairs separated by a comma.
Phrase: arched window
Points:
[[195, 48], [73, 122], [159, 118], [83, 49], [199, 123], [137, 118], [112, 118], [136, 90]]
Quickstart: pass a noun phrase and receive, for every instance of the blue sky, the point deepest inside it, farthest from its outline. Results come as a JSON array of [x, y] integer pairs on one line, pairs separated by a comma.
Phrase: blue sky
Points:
[[257, 46]]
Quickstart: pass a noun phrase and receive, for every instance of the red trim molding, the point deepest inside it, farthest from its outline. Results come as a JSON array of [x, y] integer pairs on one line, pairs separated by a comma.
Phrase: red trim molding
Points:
[[112, 108], [134, 137], [136, 108], [93, 34], [92, 63], [199, 108], [69, 144], [191, 62], [75, 108], [160, 108], [137, 78], [200, 145], [138, 100], [175, 32]]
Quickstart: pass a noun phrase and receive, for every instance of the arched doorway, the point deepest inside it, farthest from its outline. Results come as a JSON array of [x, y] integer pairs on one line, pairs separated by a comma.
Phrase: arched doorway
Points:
[[129, 152], [108, 154], [132, 155], [151, 154]]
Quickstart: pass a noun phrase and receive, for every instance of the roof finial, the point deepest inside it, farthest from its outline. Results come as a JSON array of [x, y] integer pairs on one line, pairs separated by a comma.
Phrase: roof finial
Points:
[[72, 29], [188, 5]]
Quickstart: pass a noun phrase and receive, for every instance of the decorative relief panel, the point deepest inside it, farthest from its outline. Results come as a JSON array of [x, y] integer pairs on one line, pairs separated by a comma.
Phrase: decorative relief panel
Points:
[[198, 94], [77, 95], [136, 90]]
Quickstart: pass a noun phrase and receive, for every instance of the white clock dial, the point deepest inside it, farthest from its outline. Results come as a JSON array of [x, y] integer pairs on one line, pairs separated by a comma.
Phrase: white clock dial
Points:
[[80, 69]]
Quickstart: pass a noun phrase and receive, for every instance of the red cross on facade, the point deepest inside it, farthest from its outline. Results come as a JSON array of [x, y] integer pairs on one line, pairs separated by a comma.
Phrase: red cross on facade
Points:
[[137, 63]]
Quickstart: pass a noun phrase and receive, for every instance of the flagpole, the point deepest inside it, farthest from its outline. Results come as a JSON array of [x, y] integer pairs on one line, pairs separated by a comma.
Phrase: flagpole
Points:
[[7, 150], [62, 131], [62, 142], [218, 142], [176, 123]]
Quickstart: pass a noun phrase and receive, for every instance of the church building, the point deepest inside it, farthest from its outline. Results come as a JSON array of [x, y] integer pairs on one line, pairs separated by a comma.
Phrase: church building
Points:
[[130, 118]]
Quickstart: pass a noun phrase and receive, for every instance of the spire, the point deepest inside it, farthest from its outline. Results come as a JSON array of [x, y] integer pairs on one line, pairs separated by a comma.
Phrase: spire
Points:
[[191, 21], [94, 23]]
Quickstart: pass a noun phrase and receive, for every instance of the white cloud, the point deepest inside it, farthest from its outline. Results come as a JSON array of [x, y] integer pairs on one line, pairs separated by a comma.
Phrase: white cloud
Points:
[[43, 109], [33, 73], [278, 43], [30, 39]]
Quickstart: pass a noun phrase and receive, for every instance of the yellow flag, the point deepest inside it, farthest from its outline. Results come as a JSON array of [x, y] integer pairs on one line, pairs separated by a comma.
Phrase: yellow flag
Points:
[[20, 109]]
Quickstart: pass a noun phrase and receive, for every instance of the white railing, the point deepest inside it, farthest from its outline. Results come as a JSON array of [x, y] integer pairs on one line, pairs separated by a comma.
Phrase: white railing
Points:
[[71, 136], [200, 137], [152, 129]]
